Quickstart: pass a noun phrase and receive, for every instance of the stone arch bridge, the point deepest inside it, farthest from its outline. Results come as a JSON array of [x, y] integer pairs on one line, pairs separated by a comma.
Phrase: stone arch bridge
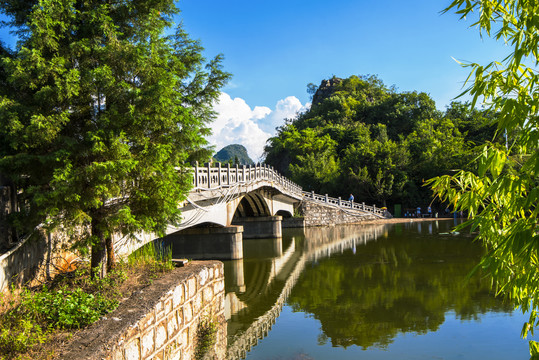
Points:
[[229, 203], [225, 205]]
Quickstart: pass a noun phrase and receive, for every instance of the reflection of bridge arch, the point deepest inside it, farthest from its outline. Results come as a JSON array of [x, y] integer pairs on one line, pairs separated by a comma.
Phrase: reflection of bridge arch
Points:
[[262, 274], [320, 243]]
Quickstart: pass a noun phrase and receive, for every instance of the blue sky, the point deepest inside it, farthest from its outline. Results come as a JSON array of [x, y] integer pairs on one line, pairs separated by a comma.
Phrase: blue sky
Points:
[[275, 48]]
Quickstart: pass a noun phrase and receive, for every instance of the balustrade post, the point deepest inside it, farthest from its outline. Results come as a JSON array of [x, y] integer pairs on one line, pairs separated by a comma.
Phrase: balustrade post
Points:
[[363, 205], [339, 201], [228, 174], [374, 209], [196, 174], [326, 198], [237, 173], [219, 172], [208, 167], [244, 170], [312, 194]]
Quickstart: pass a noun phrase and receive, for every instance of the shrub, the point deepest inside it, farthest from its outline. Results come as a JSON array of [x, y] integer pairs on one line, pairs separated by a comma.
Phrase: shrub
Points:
[[65, 309]]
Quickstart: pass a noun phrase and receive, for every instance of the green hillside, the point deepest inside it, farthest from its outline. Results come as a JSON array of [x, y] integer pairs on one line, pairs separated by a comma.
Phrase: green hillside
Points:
[[365, 138], [234, 153]]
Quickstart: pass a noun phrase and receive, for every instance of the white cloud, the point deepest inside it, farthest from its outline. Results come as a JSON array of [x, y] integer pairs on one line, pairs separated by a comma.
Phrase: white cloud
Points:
[[284, 109], [237, 123]]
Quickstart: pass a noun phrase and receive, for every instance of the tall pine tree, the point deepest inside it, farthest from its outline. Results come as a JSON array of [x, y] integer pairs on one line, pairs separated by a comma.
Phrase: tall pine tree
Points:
[[102, 111]]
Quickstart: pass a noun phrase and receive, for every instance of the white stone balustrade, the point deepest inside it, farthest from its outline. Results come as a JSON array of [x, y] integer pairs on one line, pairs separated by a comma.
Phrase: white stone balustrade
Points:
[[345, 204], [212, 177]]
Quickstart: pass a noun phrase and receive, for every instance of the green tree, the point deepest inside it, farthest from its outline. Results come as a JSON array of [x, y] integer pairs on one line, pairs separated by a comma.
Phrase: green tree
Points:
[[436, 145], [478, 126], [318, 170], [376, 166], [103, 112], [384, 143], [502, 195]]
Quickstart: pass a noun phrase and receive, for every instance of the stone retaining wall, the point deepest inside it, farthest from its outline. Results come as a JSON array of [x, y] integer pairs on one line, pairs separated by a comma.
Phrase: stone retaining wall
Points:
[[293, 222], [160, 322], [316, 214], [34, 259]]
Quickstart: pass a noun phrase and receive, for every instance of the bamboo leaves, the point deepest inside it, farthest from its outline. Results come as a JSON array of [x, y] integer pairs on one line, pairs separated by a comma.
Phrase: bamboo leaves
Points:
[[503, 197]]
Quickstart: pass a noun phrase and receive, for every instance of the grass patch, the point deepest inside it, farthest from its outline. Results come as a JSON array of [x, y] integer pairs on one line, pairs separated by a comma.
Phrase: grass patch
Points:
[[34, 321], [154, 256], [206, 337]]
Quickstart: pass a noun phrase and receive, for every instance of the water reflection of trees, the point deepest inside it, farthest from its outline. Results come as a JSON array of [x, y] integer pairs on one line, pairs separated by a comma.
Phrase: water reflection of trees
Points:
[[393, 286]]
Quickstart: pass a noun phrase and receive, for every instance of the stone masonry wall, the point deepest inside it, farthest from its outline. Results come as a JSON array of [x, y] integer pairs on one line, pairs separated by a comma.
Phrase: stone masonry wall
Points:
[[325, 215], [34, 259], [160, 322]]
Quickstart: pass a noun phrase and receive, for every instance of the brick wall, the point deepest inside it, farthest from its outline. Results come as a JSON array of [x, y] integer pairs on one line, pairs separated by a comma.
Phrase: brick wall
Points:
[[160, 322]]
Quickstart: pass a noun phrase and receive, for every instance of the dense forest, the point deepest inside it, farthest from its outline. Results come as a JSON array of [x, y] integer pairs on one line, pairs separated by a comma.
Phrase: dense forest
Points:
[[365, 138]]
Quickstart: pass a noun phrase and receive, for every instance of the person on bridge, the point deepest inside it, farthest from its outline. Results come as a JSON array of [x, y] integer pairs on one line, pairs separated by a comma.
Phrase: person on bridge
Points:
[[351, 198]]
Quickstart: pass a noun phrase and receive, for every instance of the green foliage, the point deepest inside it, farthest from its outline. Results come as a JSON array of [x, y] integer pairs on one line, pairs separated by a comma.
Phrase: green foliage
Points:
[[153, 255], [102, 111], [364, 138], [73, 302], [206, 337], [502, 194], [65, 309], [20, 336], [377, 165]]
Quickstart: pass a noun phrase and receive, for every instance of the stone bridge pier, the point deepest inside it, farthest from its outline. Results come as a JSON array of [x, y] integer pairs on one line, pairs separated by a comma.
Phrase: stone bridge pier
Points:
[[257, 214], [220, 243], [261, 227]]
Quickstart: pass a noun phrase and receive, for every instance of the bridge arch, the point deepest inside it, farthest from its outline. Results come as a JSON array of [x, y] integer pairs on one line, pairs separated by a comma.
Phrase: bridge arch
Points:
[[206, 224], [284, 213], [252, 205]]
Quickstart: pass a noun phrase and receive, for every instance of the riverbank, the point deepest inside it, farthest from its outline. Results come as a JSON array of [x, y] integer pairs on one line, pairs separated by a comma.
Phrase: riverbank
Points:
[[404, 220]]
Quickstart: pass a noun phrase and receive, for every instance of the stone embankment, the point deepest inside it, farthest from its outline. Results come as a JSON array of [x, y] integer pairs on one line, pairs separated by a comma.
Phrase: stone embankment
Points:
[[317, 214], [160, 322]]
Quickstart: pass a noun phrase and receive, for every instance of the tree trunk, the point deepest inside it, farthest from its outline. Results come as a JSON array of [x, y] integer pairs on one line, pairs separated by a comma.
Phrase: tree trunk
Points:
[[99, 251], [8, 205], [111, 258]]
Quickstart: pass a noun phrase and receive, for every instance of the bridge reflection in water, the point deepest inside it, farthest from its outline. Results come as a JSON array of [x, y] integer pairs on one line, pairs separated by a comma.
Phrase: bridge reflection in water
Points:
[[258, 285]]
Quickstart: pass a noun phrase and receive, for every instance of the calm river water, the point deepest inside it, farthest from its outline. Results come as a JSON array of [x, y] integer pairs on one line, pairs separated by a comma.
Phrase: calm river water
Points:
[[393, 291]]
